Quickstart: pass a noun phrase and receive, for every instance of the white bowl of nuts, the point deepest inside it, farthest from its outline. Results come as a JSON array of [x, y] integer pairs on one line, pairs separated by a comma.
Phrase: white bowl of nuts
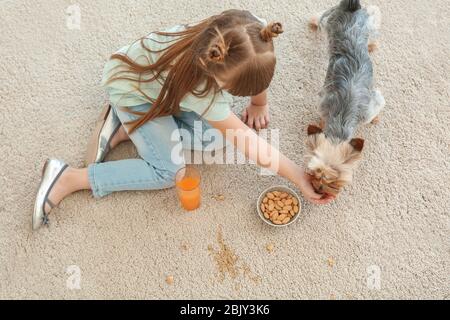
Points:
[[279, 206]]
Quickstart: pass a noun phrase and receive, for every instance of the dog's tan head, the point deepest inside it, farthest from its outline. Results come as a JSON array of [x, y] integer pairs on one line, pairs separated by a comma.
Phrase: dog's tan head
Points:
[[331, 165]]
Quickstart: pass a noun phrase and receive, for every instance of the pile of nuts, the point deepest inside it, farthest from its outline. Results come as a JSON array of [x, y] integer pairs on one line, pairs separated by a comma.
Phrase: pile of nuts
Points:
[[279, 207]]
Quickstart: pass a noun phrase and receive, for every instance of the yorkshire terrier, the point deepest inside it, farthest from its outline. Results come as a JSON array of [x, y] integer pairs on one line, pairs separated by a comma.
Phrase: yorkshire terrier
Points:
[[348, 97]]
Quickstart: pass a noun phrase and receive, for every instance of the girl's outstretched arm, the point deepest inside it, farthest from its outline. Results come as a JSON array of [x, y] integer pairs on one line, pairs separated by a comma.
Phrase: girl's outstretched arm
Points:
[[262, 153]]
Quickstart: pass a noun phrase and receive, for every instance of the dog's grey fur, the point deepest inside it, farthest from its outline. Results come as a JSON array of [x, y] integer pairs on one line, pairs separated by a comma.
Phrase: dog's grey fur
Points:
[[348, 97]]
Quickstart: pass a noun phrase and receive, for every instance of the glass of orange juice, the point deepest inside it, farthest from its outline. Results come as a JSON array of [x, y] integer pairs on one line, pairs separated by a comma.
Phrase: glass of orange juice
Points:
[[188, 187]]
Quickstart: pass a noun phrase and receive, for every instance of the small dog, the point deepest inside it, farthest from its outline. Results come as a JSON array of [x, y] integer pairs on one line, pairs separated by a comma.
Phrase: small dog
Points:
[[347, 98]]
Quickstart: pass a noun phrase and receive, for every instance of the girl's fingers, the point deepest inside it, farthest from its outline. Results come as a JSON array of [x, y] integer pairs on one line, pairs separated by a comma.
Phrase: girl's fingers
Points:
[[250, 121], [244, 116], [315, 196], [262, 121], [317, 200], [267, 120], [309, 191], [311, 195], [321, 201], [257, 124], [324, 200]]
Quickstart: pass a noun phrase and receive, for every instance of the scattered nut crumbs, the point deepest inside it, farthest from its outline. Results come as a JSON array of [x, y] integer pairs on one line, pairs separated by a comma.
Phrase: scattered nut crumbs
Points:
[[219, 197], [225, 258], [227, 262], [169, 280], [331, 262]]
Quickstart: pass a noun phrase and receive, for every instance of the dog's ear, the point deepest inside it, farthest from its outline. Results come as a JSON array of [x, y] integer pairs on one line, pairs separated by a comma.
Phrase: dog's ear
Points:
[[357, 144], [355, 155], [312, 129]]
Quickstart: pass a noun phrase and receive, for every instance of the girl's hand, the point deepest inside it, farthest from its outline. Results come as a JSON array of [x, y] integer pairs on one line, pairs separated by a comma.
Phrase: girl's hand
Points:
[[309, 193], [256, 116]]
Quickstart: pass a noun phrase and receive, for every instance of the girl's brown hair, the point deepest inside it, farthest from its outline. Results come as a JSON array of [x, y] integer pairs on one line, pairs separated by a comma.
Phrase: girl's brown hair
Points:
[[233, 47]]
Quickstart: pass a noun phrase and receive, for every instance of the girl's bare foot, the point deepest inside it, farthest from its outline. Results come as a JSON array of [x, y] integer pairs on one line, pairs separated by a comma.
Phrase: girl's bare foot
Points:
[[70, 181]]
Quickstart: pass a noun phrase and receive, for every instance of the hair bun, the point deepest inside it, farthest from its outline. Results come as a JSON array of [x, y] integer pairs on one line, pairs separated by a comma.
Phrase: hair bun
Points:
[[218, 50], [272, 30], [216, 53]]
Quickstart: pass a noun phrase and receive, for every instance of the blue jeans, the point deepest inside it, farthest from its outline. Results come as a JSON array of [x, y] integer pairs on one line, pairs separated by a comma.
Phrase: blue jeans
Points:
[[155, 142]]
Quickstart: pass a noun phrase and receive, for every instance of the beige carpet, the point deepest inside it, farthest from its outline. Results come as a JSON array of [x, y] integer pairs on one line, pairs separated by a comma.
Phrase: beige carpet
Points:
[[386, 237]]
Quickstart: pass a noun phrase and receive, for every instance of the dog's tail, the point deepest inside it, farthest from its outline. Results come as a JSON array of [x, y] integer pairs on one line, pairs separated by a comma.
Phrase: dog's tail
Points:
[[350, 5]]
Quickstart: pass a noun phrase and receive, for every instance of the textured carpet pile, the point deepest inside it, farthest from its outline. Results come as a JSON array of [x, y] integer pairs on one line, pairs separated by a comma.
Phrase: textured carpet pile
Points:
[[387, 236]]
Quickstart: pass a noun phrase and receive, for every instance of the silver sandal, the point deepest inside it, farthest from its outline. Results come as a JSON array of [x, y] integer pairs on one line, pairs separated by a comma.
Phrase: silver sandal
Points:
[[51, 171]]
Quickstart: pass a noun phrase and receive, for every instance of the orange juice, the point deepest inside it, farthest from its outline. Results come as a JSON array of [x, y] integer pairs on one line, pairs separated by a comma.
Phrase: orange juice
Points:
[[188, 186]]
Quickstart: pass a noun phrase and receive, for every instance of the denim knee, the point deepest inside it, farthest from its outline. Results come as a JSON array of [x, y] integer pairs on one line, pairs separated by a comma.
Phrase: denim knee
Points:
[[167, 177]]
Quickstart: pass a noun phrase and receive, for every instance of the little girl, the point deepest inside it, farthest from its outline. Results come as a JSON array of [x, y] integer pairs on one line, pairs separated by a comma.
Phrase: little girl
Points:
[[165, 82]]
